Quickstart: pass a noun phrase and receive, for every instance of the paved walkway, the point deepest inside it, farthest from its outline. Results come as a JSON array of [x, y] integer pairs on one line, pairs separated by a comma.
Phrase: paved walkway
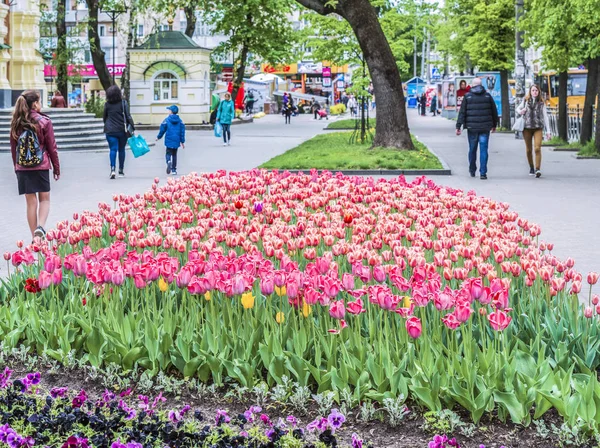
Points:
[[564, 201]]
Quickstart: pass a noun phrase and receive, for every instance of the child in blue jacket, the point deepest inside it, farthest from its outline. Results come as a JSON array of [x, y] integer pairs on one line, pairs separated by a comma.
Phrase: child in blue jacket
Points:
[[174, 131]]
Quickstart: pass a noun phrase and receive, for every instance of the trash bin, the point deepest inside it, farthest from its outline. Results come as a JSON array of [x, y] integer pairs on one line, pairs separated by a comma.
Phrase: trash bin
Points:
[[412, 102]]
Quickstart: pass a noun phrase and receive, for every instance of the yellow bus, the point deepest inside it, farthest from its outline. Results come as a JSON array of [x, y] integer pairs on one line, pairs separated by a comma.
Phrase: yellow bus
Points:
[[576, 85]]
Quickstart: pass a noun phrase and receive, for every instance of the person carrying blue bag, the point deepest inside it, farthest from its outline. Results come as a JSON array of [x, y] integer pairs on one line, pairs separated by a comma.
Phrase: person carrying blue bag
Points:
[[173, 128]]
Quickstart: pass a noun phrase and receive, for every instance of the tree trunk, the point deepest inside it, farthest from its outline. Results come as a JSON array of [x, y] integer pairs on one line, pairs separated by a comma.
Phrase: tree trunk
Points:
[[591, 90], [239, 76], [126, 78], [563, 78], [95, 49], [62, 55], [505, 122], [391, 129], [190, 17]]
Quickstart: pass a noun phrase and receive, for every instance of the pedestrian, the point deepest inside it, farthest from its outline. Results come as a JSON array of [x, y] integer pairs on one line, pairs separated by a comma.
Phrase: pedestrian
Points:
[[352, 105], [478, 114], [118, 127], [534, 113], [345, 99], [249, 102], [373, 103], [58, 101], [315, 107], [433, 108], [30, 129], [288, 109], [327, 108], [173, 128], [423, 103], [225, 116]]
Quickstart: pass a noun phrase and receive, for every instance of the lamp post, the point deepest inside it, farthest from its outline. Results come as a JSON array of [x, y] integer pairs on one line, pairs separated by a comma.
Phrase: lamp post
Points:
[[113, 14]]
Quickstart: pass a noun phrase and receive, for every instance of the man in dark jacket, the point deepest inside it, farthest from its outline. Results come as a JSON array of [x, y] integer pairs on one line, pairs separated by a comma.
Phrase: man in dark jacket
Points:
[[478, 114], [173, 129]]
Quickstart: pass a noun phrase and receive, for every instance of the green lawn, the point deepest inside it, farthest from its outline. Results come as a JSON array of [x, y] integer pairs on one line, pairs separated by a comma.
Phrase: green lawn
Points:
[[334, 152], [348, 124]]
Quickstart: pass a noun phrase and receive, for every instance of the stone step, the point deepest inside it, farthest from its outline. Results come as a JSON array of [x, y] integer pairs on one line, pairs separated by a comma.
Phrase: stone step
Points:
[[73, 125], [8, 118], [61, 138], [74, 146]]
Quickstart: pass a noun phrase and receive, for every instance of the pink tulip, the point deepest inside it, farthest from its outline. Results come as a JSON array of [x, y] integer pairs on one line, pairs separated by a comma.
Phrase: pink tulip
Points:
[[279, 278], [413, 327], [588, 312], [475, 286], [451, 321], [356, 307], [443, 300], [57, 276], [267, 286], [292, 289], [348, 281], [592, 278], [576, 287], [331, 287], [183, 278], [45, 279], [379, 274], [238, 285], [336, 309], [463, 311], [499, 320]]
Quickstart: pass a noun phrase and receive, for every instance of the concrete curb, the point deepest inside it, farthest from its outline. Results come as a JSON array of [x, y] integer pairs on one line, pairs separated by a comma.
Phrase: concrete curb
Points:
[[563, 149], [443, 172], [586, 157], [194, 127]]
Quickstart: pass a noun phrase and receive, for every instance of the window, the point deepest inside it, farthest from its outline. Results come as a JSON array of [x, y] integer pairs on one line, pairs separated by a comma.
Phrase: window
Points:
[[163, 28], [87, 56], [102, 30], [165, 87], [140, 30], [576, 85]]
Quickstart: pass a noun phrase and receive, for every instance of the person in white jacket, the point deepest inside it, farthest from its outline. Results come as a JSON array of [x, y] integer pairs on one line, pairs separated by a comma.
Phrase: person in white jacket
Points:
[[534, 113], [352, 105]]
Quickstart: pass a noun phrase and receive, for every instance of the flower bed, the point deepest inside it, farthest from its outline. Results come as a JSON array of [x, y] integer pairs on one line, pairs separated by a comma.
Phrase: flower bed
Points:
[[380, 289]]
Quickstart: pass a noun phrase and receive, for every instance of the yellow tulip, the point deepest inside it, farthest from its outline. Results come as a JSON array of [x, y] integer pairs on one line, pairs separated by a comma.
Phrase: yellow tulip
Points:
[[306, 309], [406, 302], [248, 301], [162, 285], [280, 317], [207, 296], [280, 291]]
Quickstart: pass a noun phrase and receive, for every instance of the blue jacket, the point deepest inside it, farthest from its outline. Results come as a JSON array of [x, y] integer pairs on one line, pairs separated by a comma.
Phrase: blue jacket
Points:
[[174, 129], [226, 112]]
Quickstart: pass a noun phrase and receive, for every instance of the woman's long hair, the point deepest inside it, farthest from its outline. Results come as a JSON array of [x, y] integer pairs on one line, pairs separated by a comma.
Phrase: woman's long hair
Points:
[[21, 119], [529, 96]]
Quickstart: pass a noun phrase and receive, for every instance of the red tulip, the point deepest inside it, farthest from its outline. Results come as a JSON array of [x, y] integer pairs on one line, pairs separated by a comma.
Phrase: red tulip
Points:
[[348, 219], [336, 309], [7, 256], [499, 320], [413, 327], [356, 307]]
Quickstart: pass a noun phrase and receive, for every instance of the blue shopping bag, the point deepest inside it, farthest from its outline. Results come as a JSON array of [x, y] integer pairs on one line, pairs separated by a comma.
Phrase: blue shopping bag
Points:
[[218, 129], [138, 146]]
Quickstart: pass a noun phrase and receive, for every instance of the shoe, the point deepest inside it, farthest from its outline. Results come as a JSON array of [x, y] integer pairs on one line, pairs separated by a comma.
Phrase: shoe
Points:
[[112, 174], [538, 174], [228, 143], [39, 232], [174, 172], [224, 144], [121, 173], [483, 177], [168, 167], [531, 171], [472, 174]]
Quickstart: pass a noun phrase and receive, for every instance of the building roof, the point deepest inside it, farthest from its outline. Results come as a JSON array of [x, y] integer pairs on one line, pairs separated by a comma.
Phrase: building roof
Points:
[[168, 40]]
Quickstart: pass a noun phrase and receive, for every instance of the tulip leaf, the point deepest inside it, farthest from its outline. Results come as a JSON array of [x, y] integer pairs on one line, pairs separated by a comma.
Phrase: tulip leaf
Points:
[[510, 403]]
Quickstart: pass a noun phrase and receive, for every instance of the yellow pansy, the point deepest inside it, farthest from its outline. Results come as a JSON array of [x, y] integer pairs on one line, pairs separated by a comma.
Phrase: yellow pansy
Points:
[[306, 309], [162, 285], [280, 291], [406, 302], [207, 296], [280, 317], [248, 301]]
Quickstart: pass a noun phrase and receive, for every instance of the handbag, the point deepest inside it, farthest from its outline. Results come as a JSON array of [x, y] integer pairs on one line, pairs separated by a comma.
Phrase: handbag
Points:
[[138, 145], [218, 129], [129, 131], [519, 124]]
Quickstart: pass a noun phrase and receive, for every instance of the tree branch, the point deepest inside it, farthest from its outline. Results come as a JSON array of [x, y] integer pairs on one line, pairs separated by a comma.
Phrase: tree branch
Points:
[[322, 7]]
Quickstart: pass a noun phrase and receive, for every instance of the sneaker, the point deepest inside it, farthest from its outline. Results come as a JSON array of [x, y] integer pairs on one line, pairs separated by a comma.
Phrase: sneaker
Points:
[[538, 174], [112, 174], [531, 171], [121, 173], [174, 172], [483, 177], [169, 167], [39, 232], [228, 143], [224, 144], [472, 174]]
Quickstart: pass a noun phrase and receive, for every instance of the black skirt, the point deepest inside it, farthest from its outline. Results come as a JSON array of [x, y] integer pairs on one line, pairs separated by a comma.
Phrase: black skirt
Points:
[[34, 181]]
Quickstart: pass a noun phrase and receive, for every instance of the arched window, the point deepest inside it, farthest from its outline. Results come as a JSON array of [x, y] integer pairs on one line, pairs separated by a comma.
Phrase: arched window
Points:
[[166, 87]]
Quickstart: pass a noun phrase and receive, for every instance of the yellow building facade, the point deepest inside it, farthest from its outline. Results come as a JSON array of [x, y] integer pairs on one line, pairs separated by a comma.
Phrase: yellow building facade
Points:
[[21, 65]]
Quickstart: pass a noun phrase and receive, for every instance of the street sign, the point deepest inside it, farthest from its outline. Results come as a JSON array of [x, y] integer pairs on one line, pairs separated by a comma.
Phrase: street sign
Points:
[[435, 73], [341, 84], [326, 82]]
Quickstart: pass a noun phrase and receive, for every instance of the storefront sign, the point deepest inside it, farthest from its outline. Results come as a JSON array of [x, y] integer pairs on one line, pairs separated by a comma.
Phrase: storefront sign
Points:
[[326, 72], [85, 71], [290, 69]]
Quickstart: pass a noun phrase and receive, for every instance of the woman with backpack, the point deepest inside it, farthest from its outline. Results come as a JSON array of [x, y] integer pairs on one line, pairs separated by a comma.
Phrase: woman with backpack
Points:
[[34, 153], [118, 127], [535, 117]]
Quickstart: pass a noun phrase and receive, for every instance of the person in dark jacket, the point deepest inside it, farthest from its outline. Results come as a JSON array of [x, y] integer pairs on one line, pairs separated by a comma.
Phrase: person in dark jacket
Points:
[[433, 108], [34, 181], [173, 129], [422, 104], [58, 101], [478, 114], [116, 122]]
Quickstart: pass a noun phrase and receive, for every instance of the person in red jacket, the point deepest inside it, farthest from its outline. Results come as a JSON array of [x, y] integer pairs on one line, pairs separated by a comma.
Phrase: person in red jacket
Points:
[[34, 182], [58, 101]]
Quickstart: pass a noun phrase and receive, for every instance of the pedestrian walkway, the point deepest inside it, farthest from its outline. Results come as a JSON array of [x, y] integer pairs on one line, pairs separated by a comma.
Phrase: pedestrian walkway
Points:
[[565, 201]]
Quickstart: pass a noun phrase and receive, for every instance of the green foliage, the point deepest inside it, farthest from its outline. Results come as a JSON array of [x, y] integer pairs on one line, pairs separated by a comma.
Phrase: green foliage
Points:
[[333, 151], [337, 109], [95, 106], [348, 124]]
